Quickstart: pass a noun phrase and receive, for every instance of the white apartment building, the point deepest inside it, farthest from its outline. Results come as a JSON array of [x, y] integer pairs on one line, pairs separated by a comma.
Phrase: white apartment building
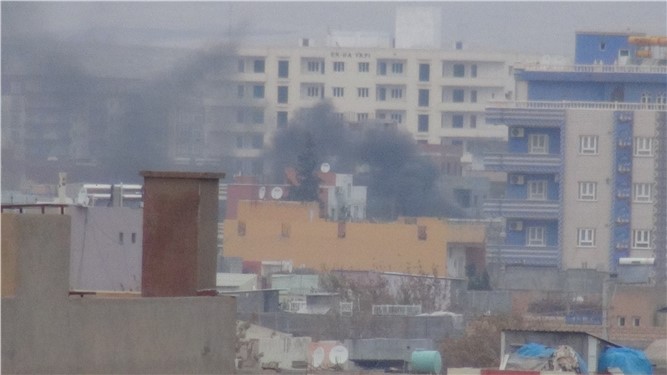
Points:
[[438, 96]]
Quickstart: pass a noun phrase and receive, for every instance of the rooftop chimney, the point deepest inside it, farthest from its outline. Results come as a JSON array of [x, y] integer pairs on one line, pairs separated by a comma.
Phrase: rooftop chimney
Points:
[[180, 233]]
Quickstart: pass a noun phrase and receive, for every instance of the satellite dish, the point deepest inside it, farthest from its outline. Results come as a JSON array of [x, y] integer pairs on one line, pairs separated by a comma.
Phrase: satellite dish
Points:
[[318, 357], [325, 167], [277, 192], [338, 355], [262, 192]]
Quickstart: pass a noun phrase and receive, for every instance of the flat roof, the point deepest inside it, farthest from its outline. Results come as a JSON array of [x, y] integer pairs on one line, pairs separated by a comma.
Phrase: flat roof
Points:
[[184, 175]]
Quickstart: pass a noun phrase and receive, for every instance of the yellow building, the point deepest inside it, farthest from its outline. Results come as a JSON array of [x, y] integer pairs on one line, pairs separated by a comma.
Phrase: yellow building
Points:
[[277, 230]]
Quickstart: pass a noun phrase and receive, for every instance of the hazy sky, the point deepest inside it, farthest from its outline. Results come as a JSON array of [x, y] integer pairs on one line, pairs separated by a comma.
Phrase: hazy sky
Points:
[[541, 27]]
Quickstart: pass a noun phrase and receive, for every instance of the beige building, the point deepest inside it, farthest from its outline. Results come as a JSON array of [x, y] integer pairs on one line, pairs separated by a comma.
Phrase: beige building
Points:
[[438, 96], [292, 231]]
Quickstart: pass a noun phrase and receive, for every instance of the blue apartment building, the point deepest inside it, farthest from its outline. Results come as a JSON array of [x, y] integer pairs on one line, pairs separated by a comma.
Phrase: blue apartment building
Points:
[[585, 170]]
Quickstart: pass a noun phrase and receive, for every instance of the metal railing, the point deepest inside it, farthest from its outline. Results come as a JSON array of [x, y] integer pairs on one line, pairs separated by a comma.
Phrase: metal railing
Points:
[[42, 208], [598, 68], [513, 254], [522, 208], [616, 106], [401, 310]]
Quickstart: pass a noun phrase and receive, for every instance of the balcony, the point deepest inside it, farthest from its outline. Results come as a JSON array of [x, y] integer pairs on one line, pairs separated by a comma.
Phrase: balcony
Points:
[[646, 69], [559, 105], [527, 163], [516, 208], [532, 256]]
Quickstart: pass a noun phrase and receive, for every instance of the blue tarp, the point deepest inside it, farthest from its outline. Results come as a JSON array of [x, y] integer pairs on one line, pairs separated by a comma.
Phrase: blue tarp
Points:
[[545, 354], [535, 350], [630, 361]]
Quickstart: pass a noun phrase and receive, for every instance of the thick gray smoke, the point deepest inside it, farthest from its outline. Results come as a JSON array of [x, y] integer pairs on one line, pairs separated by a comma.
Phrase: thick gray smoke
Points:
[[400, 181], [87, 93]]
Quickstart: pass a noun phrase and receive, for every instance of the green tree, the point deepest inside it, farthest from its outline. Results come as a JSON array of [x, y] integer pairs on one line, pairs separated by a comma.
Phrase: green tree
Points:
[[307, 188]]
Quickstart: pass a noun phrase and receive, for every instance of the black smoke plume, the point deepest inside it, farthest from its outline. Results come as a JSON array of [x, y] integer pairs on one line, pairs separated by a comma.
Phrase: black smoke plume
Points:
[[400, 181]]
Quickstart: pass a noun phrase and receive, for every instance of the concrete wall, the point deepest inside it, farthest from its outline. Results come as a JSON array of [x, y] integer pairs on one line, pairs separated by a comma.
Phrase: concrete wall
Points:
[[334, 327], [283, 351], [47, 331], [100, 259], [258, 234]]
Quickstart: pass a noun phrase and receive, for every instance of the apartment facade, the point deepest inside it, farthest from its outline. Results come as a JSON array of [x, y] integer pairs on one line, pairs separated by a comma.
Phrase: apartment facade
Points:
[[585, 172], [438, 96]]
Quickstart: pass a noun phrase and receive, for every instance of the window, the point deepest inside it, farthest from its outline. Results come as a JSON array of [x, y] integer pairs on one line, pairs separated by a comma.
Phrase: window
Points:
[[585, 237], [397, 117], [313, 91], [339, 66], [473, 96], [120, 238], [641, 193], [458, 96], [646, 98], [537, 190], [603, 46], [535, 236], [421, 232], [641, 239], [588, 145], [635, 321], [283, 94], [285, 230], [381, 94], [422, 123], [240, 91], [588, 191], [457, 121], [257, 141], [473, 70], [396, 93], [382, 68], [623, 53], [661, 99], [364, 67], [538, 144], [397, 68], [338, 92], [423, 98], [283, 69], [424, 72], [621, 321], [134, 237], [459, 70], [258, 91], [258, 116], [362, 116], [258, 66], [281, 119], [362, 92], [473, 121], [643, 146], [313, 66], [241, 66], [240, 228]]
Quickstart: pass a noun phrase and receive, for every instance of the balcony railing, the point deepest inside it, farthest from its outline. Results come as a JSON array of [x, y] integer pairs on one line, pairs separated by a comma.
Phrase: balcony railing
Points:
[[516, 208], [522, 163], [644, 69], [516, 254], [576, 105]]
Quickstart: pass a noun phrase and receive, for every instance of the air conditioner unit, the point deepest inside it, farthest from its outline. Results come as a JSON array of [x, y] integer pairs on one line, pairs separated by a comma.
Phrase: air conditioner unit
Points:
[[516, 132], [516, 225], [517, 179]]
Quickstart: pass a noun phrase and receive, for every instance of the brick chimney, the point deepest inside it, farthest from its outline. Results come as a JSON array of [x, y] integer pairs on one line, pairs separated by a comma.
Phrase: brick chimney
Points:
[[179, 233]]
